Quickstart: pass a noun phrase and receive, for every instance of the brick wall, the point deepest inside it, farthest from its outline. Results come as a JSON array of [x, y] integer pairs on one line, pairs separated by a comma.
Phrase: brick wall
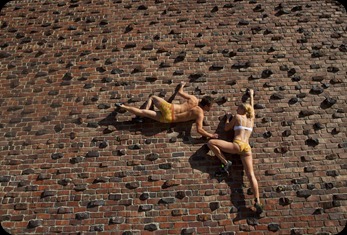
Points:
[[70, 164]]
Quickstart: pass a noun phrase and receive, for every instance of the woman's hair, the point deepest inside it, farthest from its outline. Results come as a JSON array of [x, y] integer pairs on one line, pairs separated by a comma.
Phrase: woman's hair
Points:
[[249, 110], [206, 100]]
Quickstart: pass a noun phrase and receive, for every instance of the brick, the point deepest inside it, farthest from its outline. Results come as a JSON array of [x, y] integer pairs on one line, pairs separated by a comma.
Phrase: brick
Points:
[[82, 215], [96, 203], [34, 223], [21, 206], [64, 210], [273, 227], [117, 220], [151, 227], [145, 207]]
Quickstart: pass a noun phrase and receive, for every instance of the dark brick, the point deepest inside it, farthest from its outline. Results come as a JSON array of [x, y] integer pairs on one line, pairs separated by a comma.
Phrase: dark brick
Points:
[[332, 173], [145, 208], [132, 185], [96, 203], [21, 206], [96, 228], [48, 193], [340, 196], [252, 221], [203, 217], [152, 156], [34, 223], [5, 178], [82, 215], [65, 210], [304, 193], [92, 154], [179, 212], [214, 206], [56, 156], [273, 227], [166, 200], [117, 220], [151, 227], [188, 231]]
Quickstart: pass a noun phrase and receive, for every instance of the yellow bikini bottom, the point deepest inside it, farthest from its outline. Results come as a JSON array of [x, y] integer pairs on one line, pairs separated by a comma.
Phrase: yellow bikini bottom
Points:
[[167, 112], [244, 147]]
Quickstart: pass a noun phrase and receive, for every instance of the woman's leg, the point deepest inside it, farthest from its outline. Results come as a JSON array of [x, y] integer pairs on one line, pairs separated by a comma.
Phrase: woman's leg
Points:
[[217, 146], [247, 161]]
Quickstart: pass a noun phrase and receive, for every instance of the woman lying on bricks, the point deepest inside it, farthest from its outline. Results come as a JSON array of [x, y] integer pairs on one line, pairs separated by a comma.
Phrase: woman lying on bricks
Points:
[[242, 124]]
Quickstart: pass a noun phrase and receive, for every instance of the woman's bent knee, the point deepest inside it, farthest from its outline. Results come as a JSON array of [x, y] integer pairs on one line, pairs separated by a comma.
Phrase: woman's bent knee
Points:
[[211, 142]]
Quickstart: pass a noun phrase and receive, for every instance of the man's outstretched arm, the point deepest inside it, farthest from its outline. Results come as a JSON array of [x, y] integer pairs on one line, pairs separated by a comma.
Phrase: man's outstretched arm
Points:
[[200, 129]]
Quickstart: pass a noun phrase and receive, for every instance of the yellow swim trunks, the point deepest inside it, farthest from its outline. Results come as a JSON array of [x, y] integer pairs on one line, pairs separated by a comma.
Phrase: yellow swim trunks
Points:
[[244, 147], [167, 112]]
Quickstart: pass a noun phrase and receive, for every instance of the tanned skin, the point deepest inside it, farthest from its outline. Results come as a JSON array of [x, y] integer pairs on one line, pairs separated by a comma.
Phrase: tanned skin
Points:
[[189, 110]]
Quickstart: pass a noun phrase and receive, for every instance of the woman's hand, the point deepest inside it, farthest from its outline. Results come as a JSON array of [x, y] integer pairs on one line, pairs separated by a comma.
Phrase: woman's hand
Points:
[[228, 117], [251, 92]]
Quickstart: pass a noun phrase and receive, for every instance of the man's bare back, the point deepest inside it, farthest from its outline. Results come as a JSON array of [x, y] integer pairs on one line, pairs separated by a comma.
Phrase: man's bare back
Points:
[[191, 109], [187, 111]]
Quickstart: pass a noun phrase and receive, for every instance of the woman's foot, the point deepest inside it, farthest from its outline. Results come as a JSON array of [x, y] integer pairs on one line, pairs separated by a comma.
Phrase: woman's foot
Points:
[[226, 167], [258, 206]]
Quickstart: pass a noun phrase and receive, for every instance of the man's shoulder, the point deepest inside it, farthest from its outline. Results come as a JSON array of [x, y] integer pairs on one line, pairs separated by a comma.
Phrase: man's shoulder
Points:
[[197, 111]]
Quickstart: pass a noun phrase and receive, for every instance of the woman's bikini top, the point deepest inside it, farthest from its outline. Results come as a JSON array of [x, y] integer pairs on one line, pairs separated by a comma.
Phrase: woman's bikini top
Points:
[[243, 127]]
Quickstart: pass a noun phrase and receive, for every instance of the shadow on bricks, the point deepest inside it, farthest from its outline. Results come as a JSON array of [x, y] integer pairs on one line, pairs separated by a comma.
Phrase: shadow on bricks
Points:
[[147, 128], [151, 127]]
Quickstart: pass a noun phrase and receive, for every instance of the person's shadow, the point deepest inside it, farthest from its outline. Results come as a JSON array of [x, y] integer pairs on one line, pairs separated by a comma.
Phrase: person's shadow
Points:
[[202, 161]]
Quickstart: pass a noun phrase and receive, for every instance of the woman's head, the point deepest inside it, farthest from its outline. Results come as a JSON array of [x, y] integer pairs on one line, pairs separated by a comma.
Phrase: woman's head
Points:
[[206, 102], [245, 109]]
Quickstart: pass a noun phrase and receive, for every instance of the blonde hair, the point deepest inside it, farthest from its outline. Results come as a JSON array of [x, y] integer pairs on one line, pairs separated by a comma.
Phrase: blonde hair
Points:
[[249, 110]]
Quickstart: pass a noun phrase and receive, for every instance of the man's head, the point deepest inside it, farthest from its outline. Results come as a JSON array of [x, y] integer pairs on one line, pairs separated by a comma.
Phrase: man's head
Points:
[[206, 103]]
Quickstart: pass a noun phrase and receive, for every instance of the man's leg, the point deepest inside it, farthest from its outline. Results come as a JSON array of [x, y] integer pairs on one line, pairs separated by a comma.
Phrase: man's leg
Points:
[[156, 100], [142, 112]]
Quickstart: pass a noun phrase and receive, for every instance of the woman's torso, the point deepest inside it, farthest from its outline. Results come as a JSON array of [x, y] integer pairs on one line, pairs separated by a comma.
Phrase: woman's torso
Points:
[[243, 128]]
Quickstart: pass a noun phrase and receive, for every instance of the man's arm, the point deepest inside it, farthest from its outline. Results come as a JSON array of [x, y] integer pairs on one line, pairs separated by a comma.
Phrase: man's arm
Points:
[[200, 129], [182, 93]]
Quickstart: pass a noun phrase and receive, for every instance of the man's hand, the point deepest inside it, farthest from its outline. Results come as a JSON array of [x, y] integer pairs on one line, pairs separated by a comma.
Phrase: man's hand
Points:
[[214, 136]]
